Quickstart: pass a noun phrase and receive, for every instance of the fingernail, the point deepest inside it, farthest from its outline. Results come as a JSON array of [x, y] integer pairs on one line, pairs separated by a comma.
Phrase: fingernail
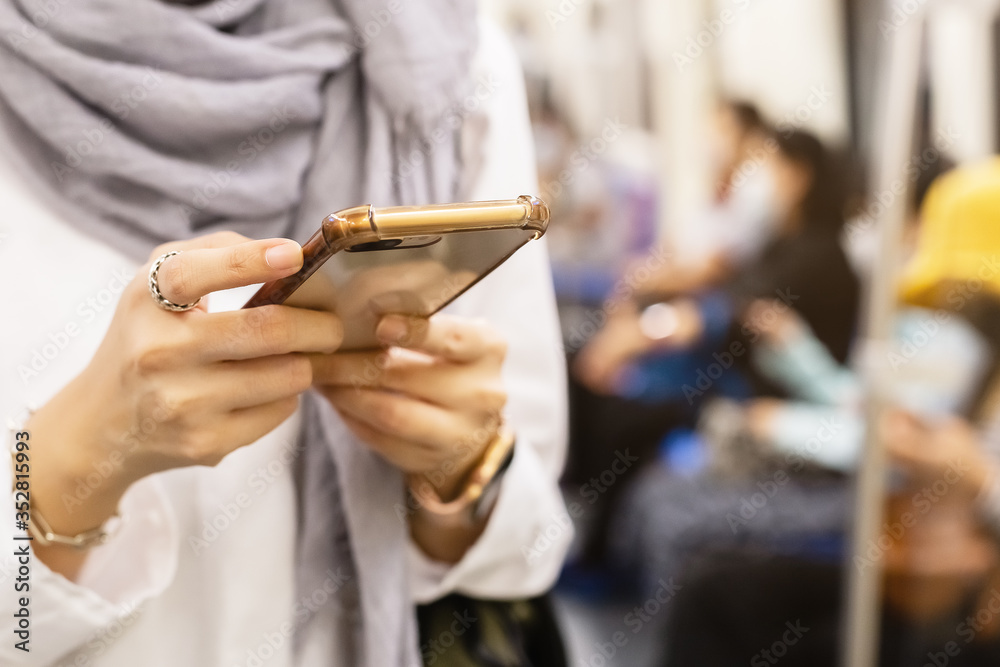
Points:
[[392, 329], [285, 255]]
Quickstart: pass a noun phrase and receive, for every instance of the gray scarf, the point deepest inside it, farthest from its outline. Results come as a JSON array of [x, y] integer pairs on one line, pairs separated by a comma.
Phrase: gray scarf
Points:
[[155, 122]]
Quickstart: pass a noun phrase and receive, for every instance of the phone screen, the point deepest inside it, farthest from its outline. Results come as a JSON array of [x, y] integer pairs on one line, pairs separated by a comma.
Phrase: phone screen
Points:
[[414, 276]]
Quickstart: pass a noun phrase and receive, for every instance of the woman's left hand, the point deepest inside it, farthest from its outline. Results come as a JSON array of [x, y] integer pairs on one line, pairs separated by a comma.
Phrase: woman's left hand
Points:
[[430, 403]]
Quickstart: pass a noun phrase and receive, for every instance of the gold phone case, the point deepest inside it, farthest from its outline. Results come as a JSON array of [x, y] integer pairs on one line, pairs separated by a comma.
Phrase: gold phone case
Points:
[[365, 262]]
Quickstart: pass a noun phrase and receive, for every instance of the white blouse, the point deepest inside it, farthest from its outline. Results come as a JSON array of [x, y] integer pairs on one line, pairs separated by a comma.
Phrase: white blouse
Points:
[[202, 571]]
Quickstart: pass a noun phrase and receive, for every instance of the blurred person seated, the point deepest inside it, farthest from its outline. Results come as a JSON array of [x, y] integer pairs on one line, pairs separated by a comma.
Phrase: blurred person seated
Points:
[[804, 266], [818, 387], [734, 230], [941, 587], [649, 371], [940, 541], [944, 348], [802, 443]]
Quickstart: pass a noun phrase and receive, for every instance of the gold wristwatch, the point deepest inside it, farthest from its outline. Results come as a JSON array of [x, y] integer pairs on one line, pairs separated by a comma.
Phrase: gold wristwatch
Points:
[[479, 493]]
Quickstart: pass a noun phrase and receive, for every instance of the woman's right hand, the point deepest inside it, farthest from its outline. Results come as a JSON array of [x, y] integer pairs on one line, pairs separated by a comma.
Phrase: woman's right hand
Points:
[[171, 389]]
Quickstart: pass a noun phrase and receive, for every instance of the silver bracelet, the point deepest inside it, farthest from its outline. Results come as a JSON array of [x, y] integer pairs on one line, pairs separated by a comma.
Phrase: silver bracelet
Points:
[[37, 526]]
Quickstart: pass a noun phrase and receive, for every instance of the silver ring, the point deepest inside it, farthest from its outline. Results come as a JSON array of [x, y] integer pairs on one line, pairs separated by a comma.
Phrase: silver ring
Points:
[[154, 287]]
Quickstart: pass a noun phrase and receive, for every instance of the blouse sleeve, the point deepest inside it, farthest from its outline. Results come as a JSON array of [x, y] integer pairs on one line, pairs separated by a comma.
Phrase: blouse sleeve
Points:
[[61, 616]]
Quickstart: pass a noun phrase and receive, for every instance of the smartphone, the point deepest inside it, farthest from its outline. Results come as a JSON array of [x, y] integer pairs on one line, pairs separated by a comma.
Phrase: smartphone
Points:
[[365, 262]]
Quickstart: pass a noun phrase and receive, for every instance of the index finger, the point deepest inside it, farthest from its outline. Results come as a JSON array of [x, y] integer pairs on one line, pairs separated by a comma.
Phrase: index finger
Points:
[[214, 240], [452, 338], [192, 274]]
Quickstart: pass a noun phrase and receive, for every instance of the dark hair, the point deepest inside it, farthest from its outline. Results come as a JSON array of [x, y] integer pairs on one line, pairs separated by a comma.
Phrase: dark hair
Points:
[[928, 175], [746, 114], [982, 311], [825, 203]]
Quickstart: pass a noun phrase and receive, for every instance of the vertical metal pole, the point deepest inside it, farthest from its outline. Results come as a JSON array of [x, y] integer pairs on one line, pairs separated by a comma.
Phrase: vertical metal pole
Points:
[[681, 103], [894, 145]]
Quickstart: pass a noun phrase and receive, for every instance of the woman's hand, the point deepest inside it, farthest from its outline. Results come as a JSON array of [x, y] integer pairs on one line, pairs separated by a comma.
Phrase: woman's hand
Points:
[[760, 417], [948, 450], [430, 403], [168, 389], [600, 364], [944, 542]]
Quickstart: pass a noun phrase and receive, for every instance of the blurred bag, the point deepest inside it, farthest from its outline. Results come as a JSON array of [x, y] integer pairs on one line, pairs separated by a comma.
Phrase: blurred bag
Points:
[[733, 455], [459, 631]]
